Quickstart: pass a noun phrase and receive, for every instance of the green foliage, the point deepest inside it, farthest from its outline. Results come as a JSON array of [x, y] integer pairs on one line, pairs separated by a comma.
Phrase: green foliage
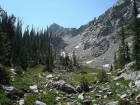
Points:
[[123, 102], [18, 70], [4, 100], [4, 76], [31, 98], [49, 98], [84, 80], [102, 76]]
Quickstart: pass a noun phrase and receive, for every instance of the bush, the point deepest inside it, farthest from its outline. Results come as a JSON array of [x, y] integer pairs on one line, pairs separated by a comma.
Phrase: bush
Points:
[[49, 98], [4, 100], [4, 75], [84, 80], [31, 98], [102, 76], [123, 102], [18, 70]]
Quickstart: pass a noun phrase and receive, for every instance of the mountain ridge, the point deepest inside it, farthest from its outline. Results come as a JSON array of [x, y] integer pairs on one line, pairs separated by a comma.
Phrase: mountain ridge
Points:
[[97, 40]]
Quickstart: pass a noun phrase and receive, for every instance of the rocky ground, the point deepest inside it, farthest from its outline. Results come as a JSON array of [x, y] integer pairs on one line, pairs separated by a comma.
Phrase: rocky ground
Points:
[[74, 88]]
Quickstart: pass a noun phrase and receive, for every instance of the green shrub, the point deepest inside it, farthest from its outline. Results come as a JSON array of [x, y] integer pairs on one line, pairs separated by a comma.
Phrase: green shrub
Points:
[[49, 98], [4, 76], [102, 76], [4, 100], [18, 70], [123, 102], [31, 98], [84, 80]]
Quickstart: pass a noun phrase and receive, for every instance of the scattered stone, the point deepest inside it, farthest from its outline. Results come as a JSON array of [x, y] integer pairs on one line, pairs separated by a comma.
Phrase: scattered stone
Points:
[[129, 65], [34, 88], [119, 73], [118, 78], [21, 102], [87, 102], [13, 71], [109, 94], [58, 98], [123, 96], [105, 89], [9, 89], [39, 103], [137, 97], [49, 76], [79, 89], [98, 96], [112, 103], [81, 96]]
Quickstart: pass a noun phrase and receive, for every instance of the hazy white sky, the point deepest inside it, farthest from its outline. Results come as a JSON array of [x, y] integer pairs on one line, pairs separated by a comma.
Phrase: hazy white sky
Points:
[[66, 13]]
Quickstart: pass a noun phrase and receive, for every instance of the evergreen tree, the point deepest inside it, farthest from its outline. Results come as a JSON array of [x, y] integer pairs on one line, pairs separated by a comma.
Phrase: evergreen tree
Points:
[[121, 53], [136, 40]]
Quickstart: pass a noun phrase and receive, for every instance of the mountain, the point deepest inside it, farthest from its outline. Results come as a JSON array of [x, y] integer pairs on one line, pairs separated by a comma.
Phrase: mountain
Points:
[[95, 42]]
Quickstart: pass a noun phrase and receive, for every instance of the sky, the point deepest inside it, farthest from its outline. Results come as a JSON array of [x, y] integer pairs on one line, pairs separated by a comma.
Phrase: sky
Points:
[[66, 13]]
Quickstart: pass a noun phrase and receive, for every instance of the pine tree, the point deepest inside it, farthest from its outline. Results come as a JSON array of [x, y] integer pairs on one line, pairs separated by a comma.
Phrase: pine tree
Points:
[[4, 44], [121, 54], [136, 40]]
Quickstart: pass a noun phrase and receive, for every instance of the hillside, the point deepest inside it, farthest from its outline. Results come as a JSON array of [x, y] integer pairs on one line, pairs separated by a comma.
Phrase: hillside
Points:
[[98, 40]]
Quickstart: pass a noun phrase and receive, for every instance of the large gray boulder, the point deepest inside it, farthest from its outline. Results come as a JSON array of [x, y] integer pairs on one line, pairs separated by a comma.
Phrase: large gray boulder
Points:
[[9, 89], [129, 65], [112, 103], [34, 88], [39, 103], [119, 78]]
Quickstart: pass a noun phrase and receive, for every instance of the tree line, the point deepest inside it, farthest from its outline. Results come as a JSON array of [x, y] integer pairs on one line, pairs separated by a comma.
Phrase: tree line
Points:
[[30, 48], [124, 54]]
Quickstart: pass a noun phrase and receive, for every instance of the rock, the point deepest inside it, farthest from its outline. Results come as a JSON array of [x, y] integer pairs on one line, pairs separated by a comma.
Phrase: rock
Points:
[[137, 84], [39, 103], [78, 89], [90, 88], [109, 94], [13, 71], [9, 89], [81, 96], [118, 78], [105, 89], [120, 72], [21, 102], [131, 84], [137, 97], [49, 76], [85, 87], [34, 88], [58, 98], [123, 96], [59, 84], [86, 102], [68, 89], [129, 65], [112, 103], [98, 96]]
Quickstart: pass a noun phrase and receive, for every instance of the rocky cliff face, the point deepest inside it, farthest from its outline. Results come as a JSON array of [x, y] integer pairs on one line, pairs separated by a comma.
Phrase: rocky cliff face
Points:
[[98, 40]]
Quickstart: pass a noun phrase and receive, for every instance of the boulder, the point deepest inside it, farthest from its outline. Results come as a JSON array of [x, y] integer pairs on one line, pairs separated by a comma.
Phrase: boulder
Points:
[[118, 78], [9, 89], [120, 72], [34, 88], [129, 65], [68, 89], [49, 76], [81, 96], [112, 103], [39, 103], [79, 89], [21, 102], [137, 84], [123, 96], [137, 97], [85, 87], [87, 102], [58, 98]]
